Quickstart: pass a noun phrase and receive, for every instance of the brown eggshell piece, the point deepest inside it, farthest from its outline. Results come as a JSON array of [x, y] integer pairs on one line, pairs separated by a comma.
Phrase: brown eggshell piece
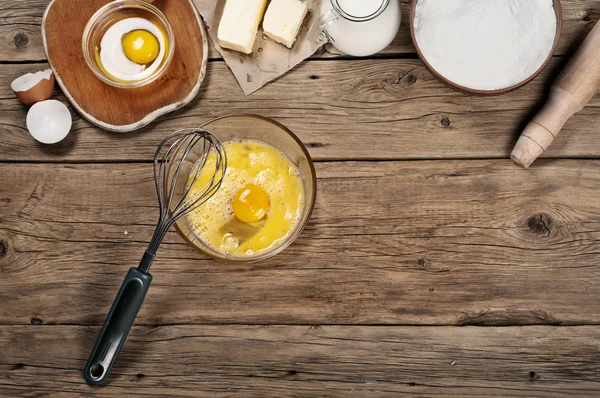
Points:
[[41, 91]]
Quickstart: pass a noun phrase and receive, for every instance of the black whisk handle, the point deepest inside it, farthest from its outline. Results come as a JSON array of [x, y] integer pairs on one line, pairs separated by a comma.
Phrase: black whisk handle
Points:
[[117, 325]]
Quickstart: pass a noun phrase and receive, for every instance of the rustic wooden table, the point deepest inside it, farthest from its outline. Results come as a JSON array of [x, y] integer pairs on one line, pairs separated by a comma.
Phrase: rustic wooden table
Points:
[[432, 264]]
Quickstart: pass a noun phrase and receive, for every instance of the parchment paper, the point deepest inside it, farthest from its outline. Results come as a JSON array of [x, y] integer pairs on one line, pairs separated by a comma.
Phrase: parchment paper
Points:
[[269, 59]]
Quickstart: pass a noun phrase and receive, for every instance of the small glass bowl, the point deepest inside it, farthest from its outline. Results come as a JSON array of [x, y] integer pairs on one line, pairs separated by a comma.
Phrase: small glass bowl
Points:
[[116, 11], [259, 128]]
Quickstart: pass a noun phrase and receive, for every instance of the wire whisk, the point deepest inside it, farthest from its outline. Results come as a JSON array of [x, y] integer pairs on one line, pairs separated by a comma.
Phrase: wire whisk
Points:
[[178, 162], [183, 159]]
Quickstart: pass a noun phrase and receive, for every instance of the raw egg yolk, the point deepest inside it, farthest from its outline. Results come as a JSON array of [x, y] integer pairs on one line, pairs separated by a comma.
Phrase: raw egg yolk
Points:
[[251, 203], [140, 46]]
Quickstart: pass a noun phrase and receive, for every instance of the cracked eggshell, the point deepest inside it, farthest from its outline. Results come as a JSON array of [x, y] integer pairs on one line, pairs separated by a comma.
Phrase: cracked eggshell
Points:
[[34, 87], [49, 121]]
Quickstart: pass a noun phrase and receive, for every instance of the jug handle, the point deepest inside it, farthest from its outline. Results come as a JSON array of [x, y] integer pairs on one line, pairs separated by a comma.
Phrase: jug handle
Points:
[[318, 27]]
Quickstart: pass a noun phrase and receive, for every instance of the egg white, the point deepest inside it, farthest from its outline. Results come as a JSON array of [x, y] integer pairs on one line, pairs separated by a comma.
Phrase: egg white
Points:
[[113, 58]]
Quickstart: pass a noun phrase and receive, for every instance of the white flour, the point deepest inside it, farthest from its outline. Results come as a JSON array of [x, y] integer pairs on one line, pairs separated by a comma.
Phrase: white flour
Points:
[[485, 44]]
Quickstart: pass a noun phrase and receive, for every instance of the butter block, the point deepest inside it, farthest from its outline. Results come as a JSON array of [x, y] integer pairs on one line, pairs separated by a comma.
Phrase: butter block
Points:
[[239, 24], [284, 19]]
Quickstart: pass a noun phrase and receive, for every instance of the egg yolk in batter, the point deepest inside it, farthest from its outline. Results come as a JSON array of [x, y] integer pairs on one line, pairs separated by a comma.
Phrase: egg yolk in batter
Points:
[[258, 205], [250, 204], [140, 46]]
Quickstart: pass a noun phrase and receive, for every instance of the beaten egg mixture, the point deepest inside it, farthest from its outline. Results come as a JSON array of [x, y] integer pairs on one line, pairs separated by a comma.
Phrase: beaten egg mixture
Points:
[[258, 205]]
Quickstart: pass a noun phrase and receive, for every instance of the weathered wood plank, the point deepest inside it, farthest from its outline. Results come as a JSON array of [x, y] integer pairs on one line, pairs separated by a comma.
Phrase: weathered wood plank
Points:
[[395, 108], [428, 242], [20, 37], [292, 361]]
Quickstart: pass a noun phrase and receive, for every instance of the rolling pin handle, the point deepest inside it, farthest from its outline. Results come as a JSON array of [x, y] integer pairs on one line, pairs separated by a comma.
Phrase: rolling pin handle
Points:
[[542, 130], [530, 145]]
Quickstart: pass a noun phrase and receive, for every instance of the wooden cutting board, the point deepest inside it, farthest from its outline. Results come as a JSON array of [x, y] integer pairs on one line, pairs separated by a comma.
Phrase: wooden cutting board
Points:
[[118, 109]]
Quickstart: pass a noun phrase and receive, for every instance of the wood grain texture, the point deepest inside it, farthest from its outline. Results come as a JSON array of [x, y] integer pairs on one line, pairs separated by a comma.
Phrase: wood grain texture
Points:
[[419, 243], [299, 361], [399, 258], [388, 109], [20, 30], [118, 109]]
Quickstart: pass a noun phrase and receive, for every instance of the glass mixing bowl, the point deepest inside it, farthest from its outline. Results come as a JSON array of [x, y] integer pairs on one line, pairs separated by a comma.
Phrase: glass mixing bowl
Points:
[[258, 128], [114, 12]]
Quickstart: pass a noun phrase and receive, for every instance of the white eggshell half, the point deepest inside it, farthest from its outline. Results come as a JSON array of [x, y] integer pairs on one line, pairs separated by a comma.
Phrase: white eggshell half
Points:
[[34, 87], [49, 121]]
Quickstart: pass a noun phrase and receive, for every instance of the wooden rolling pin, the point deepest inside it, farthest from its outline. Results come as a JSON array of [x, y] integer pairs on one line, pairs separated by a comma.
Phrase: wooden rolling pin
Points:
[[572, 90]]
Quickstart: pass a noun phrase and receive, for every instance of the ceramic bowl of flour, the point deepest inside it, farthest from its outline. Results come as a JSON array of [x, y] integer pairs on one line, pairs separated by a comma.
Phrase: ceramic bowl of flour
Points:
[[487, 48]]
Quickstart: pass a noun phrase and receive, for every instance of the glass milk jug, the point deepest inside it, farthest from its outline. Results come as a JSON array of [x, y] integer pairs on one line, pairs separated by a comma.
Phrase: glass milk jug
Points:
[[358, 27]]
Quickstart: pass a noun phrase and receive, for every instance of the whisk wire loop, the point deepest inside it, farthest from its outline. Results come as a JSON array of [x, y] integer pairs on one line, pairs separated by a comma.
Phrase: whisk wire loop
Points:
[[191, 142], [179, 162], [208, 190], [197, 169]]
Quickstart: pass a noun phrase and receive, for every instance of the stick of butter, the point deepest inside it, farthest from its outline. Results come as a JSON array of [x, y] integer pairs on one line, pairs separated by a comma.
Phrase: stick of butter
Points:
[[284, 19], [239, 24]]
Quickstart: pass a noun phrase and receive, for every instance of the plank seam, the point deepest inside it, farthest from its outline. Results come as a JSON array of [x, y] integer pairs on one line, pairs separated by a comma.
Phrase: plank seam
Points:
[[324, 160]]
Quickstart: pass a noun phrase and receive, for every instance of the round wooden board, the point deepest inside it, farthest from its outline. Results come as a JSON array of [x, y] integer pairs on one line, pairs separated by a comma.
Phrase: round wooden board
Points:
[[113, 108]]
